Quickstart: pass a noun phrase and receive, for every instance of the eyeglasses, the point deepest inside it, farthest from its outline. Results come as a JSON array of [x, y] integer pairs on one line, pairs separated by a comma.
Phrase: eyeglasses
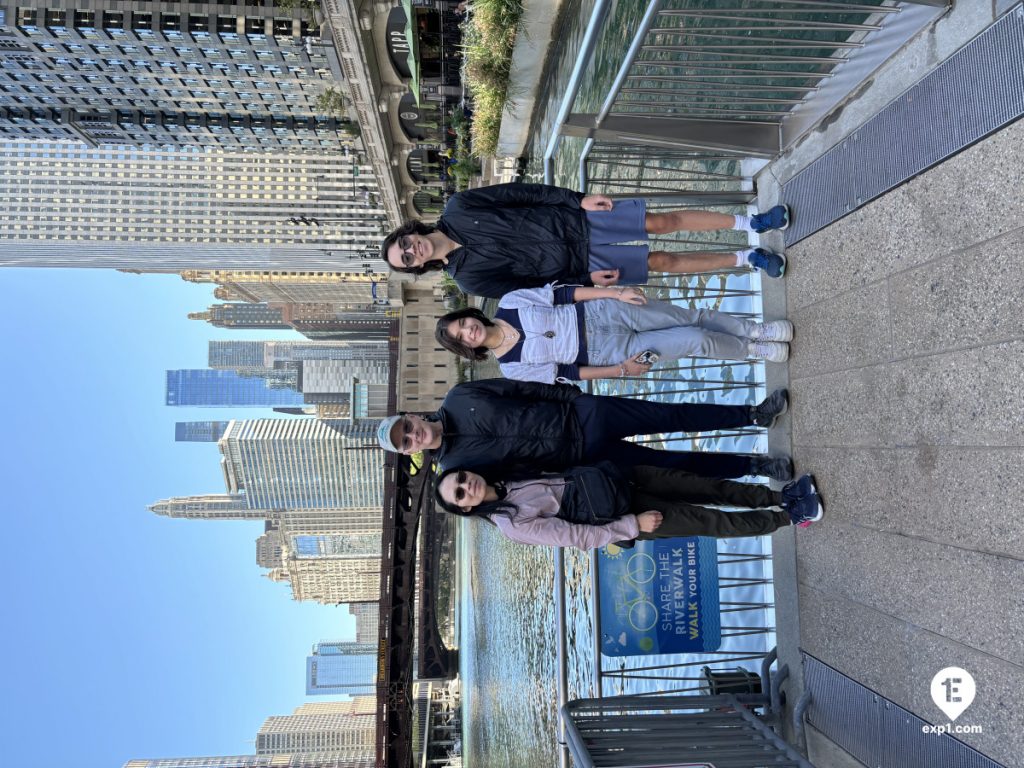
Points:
[[405, 243], [460, 480]]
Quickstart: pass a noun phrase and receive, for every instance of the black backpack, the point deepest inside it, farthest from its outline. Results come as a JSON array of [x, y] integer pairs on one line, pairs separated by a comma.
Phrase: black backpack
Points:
[[595, 495]]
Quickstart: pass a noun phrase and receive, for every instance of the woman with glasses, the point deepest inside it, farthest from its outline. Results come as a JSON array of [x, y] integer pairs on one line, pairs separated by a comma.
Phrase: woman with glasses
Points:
[[577, 333], [589, 507], [498, 239]]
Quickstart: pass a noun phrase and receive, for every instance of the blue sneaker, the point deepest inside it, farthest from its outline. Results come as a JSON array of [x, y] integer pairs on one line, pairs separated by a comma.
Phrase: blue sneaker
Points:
[[773, 218], [803, 503], [773, 264]]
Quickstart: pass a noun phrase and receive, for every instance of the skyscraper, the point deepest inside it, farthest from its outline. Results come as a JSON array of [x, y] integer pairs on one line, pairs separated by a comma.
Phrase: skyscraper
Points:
[[340, 667], [367, 621], [240, 315], [236, 354], [199, 431], [148, 209], [204, 387], [135, 73], [353, 289], [319, 486], [337, 728], [305, 463]]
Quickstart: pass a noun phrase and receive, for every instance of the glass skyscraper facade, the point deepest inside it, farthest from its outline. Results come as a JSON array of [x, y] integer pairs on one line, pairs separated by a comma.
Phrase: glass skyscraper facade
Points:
[[236, 354], [199, 431], [338, 667], [205, 387]]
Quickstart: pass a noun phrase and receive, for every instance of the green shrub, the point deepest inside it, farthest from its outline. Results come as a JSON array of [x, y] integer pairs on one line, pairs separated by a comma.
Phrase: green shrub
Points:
[[488, 37]]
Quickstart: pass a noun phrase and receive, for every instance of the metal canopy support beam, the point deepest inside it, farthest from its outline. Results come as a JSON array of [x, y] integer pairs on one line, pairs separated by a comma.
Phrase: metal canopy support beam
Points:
[[746, 137]]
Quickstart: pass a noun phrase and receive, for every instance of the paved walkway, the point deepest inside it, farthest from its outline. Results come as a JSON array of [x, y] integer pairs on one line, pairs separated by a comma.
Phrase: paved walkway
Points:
[[907, 382]]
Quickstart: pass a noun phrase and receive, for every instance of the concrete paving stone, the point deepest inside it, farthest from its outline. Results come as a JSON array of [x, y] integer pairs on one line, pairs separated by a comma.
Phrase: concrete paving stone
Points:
[[973, 196], [872, 243], [857, 484], [850, 330], [996, 707], [964, 397], [830, 262], [969, 199], [973, 499], [969, 597], [847, 408], [934, 308], [860, 642]]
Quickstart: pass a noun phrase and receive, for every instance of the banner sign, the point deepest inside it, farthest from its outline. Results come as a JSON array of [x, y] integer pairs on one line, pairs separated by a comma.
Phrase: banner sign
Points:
[[660, 597]]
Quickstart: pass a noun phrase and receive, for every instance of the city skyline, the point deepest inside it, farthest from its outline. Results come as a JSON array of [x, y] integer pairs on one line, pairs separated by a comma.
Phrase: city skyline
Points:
[[123, 587]]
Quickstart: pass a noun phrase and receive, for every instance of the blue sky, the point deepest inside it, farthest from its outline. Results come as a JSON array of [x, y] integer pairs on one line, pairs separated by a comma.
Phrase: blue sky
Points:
[[127, 634]]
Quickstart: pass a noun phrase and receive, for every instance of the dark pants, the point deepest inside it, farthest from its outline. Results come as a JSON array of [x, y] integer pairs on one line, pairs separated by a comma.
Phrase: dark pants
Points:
[[605, 421], [677, 495]]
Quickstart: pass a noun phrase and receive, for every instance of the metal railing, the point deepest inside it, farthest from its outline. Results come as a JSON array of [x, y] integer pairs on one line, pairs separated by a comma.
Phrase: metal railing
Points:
[[745, 79], [702, 731]]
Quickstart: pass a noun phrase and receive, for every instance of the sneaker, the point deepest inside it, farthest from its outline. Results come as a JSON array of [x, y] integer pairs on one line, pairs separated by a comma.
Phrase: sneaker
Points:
[[769, 351], [803, 503], [765, 413], [774, 330], [772, 264], [773, 218], [775, 467]]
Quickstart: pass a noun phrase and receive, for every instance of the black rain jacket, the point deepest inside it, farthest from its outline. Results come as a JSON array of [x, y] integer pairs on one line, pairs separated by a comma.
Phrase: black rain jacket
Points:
[[516, 236], [509, 429]]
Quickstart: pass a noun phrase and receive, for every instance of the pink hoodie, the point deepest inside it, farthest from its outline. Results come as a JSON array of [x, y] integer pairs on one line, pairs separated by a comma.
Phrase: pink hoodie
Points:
[[535, 521]]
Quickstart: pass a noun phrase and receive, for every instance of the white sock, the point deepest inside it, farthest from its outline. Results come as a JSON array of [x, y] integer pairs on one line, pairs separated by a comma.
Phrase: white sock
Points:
[[741, 259], [742, 224]]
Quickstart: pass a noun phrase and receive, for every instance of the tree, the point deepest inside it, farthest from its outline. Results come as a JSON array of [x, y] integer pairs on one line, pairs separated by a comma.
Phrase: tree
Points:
[[332, 102]]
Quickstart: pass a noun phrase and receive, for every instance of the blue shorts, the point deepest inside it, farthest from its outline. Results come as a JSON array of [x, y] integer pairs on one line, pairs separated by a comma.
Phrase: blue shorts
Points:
[[624, 223]]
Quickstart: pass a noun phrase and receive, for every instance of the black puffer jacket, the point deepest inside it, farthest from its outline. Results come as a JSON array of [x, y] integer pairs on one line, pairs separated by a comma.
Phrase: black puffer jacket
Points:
[[516, 236], [508, 429]]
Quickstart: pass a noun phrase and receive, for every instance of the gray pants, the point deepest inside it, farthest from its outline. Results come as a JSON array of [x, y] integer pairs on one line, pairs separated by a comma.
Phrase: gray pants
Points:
[[617, 331]]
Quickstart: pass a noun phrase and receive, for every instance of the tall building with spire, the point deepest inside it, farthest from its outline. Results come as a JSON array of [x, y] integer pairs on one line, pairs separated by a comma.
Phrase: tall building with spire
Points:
[[316, 321], [318, 484], [241, 315], [352, 289]]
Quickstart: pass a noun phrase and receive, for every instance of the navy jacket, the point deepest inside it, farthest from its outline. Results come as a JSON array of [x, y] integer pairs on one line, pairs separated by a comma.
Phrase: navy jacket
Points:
[[504, 428], [516, 236]]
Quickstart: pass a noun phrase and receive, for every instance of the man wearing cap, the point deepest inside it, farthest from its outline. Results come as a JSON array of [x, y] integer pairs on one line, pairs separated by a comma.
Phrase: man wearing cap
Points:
[[514, 428]]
